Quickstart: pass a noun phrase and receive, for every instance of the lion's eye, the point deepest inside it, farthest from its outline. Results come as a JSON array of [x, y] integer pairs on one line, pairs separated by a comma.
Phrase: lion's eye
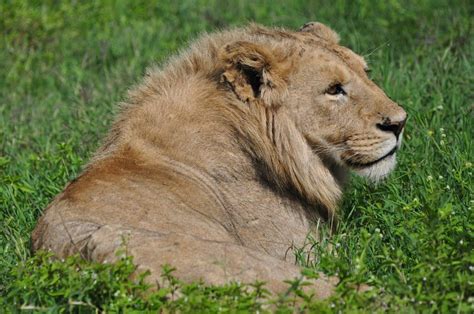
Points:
[[336, 89]]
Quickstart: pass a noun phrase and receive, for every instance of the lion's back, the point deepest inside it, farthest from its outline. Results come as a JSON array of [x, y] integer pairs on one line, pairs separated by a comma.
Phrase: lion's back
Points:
[[128, 197]]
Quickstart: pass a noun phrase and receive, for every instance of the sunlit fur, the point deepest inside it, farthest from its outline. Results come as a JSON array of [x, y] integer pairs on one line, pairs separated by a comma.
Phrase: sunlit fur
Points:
[[226, 158]]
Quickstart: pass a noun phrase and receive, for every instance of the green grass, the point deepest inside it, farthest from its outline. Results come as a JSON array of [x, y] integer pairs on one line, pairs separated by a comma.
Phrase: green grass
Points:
[[64, 66]]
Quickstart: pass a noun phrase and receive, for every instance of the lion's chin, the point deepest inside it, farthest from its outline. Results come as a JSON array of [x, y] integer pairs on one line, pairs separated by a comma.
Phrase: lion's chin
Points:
[[378, 171]]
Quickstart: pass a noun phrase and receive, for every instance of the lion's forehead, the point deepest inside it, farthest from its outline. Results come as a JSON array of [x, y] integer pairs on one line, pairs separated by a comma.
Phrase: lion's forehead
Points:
[[335, 64], [340, 52], [349, 58], [300, 43]]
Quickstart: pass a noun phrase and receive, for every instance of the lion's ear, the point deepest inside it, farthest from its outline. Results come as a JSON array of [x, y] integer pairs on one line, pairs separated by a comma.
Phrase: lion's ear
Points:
[[321, 30], [254, 72]]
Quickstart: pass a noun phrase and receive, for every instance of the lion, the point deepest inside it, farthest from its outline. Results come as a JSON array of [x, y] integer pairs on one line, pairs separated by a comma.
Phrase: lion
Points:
[[228, 156]]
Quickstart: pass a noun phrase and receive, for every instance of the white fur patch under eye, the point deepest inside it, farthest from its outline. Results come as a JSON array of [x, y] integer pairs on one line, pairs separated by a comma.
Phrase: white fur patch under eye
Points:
[[338, 97]]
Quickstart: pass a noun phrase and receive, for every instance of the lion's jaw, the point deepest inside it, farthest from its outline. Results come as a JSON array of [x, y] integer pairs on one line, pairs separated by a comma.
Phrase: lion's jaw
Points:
[[383, 162], [380, 162], [374, 162]]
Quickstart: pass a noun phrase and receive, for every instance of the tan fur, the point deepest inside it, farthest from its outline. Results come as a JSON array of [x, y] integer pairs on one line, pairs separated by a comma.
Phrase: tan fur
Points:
[[227, 157]]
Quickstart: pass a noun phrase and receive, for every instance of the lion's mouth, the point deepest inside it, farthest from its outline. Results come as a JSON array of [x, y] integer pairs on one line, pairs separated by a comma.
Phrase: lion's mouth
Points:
[[355, 164]]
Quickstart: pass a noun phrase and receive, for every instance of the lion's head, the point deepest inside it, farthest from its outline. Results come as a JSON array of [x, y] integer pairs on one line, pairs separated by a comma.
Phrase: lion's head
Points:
[[324, 88], [301, 104]]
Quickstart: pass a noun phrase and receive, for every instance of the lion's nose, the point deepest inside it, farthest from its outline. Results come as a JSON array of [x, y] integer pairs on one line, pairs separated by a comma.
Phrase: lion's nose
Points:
[[395, 127]]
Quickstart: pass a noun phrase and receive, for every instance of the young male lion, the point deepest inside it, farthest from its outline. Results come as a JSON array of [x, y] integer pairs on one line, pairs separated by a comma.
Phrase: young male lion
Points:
[[226, 157]]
